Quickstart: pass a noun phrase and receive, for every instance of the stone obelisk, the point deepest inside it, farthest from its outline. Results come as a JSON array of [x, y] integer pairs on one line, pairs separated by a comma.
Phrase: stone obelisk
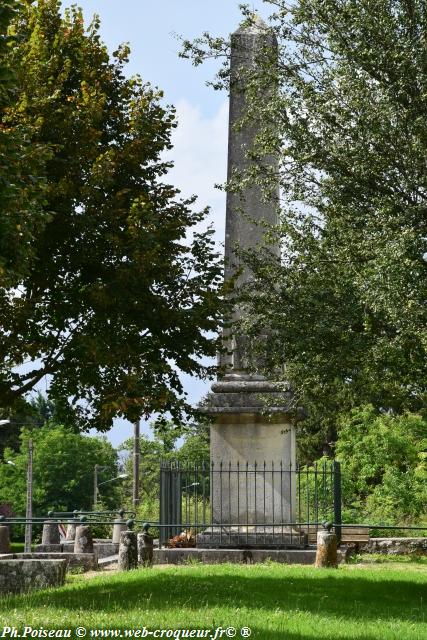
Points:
[[247, 435]]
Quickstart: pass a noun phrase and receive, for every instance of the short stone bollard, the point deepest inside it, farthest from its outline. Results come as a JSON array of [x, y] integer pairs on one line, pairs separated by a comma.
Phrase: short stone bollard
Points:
[[83, 542], [326, 554], [128, 549], [145, 547], [70, 535], [4, 539], [50, 533], [118, 528]]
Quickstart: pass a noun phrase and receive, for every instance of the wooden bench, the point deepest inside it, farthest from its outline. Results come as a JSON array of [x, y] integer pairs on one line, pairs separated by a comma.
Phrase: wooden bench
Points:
[[349, 535]]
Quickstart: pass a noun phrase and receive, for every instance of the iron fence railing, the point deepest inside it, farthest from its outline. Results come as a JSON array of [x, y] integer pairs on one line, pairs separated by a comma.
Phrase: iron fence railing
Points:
[[259, 504]]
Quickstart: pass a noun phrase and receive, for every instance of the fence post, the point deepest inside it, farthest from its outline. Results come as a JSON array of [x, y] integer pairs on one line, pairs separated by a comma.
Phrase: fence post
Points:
[[337, 499], [162, 513]]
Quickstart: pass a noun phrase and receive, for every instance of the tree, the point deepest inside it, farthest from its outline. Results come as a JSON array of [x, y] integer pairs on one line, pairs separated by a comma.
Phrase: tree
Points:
[[39, 411], [121, 291], [170, 443], [21, 188], [384, 466], [63, 471], [345, 310]]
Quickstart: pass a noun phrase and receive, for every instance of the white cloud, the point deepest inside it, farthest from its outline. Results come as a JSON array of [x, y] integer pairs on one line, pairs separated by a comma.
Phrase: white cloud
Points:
[[199, 154]]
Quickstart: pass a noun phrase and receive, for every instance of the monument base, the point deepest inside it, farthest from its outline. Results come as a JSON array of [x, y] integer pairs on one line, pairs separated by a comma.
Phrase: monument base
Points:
[[253, 476], [252, 537]]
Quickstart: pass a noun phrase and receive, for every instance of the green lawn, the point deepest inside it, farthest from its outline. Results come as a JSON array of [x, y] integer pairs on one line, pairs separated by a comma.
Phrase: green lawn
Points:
[[276, 601]]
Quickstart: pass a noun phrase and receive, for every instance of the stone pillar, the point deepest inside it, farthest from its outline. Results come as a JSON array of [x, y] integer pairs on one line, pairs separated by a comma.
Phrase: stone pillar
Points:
[[128, 551], [70, 535], [118, 528], [50, 533], [4, 539], [250, 209], [145, 549], [326, 554], [252, 415], [83, 542]]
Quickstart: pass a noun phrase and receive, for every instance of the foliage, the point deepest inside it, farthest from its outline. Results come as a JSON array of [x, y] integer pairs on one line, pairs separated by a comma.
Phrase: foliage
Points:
[[274, 600], [166, 445], [345, 311], [384, 465], [37, 411], [21, 189], [6, 510], [63, 471], [22, 413], [118, 289]]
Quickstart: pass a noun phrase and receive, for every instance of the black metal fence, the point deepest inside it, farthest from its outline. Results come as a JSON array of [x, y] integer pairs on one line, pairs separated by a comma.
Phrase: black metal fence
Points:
[[243, 504]]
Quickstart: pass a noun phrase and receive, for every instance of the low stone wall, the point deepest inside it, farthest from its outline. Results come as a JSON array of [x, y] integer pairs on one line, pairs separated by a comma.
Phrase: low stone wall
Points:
[[49, 548], [245, 556], [105, 549], [102, 549], [18, 576], [87, 561], [395, 546]]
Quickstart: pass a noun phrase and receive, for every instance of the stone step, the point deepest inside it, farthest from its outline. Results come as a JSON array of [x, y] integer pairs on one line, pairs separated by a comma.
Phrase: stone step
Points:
[[270, 538], [108, 561], [248, 556]]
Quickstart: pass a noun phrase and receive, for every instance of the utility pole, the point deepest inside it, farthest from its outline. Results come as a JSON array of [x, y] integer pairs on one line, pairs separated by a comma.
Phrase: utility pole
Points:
[[29, 509], [136, 439]]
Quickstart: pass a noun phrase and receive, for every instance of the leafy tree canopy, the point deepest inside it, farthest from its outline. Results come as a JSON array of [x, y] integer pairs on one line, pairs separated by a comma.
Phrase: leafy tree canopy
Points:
[[21, 187], [37, 412], [171, 443], [345, 310], [384, 461], [63, 471], [117, 289]]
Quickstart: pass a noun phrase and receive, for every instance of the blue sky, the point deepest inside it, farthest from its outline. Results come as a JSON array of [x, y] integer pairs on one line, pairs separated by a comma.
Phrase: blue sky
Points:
[[149, 25], [200, 141]]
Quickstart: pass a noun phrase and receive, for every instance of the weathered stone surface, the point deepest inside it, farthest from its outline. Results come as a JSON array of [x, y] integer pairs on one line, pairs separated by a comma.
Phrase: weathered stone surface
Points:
[[83, 542], [395, 546], [4, 539], [50, 548], [245, 556], [246, 210], [252, 537], [50, 533], [128, 551], [105, 549], [70, 536], [87, 561], [326, 553], [17, 576], [145, 549], [253, 438], [247, 397], [118, 528]]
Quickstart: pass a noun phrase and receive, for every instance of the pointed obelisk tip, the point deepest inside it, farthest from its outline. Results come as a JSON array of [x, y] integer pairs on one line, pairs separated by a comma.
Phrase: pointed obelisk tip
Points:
[[253, 25]]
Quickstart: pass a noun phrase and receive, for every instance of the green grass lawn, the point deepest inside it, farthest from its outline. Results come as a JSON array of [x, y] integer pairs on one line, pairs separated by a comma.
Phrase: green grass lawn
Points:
[[276, 601]]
